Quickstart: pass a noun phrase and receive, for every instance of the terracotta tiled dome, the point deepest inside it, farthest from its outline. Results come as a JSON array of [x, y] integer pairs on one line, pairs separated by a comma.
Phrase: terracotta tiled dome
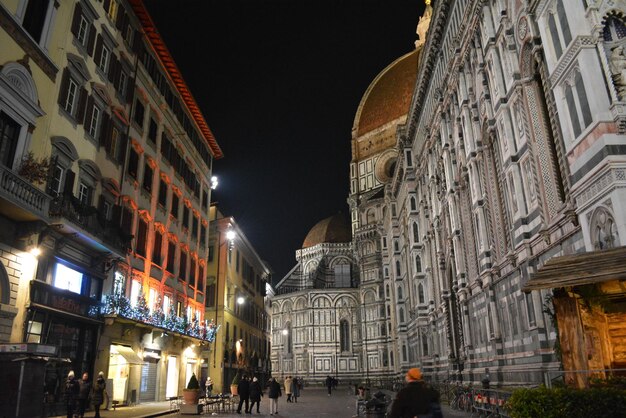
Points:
[[333, 229], [389, 96]]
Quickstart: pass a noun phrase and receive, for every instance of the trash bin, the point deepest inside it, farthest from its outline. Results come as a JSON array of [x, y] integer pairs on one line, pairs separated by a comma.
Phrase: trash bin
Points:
[[376, 407]]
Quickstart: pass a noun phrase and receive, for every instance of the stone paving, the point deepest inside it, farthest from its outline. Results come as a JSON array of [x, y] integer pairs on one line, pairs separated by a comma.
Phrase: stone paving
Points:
[[313, 403]]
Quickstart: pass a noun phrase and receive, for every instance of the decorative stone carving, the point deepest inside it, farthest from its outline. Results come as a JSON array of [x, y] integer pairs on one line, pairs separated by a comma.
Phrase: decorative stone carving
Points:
[[618, 70]]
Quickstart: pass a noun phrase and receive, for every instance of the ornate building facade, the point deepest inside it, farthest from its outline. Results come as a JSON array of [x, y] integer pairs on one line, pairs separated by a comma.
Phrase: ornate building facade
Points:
[[510, 154], [104, 241]]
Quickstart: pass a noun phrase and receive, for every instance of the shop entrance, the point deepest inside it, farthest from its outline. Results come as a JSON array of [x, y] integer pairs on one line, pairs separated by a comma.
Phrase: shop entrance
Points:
[[120, 362]]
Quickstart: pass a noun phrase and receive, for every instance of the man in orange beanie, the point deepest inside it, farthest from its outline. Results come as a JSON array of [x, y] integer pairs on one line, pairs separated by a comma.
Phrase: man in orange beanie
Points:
[[416, 399]]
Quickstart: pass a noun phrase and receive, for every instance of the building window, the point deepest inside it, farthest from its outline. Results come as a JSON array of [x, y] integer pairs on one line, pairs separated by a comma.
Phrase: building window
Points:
[[83, 31], [162, 193], [210, 295], [119, 284], [56, 179], [413, 203], [401, 315], [398, 269], [416, 234], [342, 275], [139, 113], [152, 131], [9, 136], [67, 278], [71, 95], [174, 208], [205, 200], [135, 291], [578, 105], [420, 293], [104, 58], [122, 83], [142, 232], [194, 229], [171, 256], [182, 269], [112, 12], [344, 335], [192, 272], [133, 163], [201, 278], [158, 243], [147, 177], [562, 39], [35, 18], [400, 295], [84, 194], [127, 219], [94, 122], [418, 264], [202, 235], [186, 216]]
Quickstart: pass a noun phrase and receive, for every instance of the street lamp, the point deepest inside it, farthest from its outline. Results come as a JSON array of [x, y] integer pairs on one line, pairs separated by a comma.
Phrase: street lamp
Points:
[[214, 182], [241, 300]]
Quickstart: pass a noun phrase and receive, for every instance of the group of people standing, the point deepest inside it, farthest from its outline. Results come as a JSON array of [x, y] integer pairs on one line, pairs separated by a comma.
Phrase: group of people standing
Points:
[[250, 393], [80, 393]]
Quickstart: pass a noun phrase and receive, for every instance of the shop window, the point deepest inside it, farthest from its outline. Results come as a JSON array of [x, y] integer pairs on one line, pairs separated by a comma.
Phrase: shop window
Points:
[[67, 278]]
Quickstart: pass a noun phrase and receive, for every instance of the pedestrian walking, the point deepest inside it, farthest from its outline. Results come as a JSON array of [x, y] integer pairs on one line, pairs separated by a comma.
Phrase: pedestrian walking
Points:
[[416, 399], [244, 393], [71, 394], [329, 384], [84, 391], [274, 393], [288, 383], [255, 395], [295, 389], [208, 386], [97, 397]]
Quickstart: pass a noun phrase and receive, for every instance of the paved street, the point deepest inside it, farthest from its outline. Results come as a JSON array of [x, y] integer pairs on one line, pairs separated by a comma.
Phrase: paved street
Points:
[[313, 403]]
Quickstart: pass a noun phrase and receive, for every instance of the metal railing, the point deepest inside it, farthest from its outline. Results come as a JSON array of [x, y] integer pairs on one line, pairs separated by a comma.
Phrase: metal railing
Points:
[[480, 402]]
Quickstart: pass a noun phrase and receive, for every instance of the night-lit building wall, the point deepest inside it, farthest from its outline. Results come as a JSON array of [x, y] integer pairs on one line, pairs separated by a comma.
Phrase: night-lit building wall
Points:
[[236, 298], [122, 227]]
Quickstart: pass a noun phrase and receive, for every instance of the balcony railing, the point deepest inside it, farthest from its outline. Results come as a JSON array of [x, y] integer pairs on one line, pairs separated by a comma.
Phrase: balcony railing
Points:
[[20, 192], [91, 221], [119, 305]]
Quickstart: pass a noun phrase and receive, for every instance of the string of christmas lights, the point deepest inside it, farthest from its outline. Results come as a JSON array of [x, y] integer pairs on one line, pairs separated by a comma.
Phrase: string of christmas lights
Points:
[[120, 305]]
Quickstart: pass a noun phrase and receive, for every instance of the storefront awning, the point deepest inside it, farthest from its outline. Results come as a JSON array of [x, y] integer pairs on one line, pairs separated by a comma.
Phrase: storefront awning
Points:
[[129, 355], [580, 269]]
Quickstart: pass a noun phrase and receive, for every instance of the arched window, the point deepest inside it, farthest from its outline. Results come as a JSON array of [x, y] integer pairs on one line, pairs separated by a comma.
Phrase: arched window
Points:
[[578, 105], [420, 293], [383, 330], [398, 268], [418, 264], [413, 203], [400, 294], [387, 290], [416, 233], [344, 334], [380, 292], [371, 216], [288, 338], [614, 29], [401, 315]]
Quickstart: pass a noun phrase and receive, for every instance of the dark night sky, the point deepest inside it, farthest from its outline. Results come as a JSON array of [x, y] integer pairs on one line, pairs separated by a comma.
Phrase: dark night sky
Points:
[[279, 83]]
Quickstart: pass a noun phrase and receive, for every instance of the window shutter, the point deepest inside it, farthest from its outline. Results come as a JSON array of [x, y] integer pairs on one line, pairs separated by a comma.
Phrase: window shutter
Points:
[[105, 131], [92, 39], [137, 43], [116, 215], [122, 147], [82, 103], [130, 89], [68, 186], [64, 84], [98, 51], [119, 20], [106, 5], [113, 63], [88, 112], [78, 12]]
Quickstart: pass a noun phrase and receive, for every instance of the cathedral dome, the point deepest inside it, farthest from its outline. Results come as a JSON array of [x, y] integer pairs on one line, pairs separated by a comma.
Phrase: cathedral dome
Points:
[[388, 97], [334, 229]]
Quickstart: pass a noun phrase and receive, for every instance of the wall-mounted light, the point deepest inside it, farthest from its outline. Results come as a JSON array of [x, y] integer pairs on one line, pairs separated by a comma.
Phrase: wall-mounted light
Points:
[[241, 300], [214, 182], [285, 331], [35, 251]]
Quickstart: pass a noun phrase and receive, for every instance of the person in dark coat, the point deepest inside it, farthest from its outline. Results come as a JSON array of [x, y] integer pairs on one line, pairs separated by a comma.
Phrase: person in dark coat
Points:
[[416, 399], [97, 398], [244, 393], [71, 393], [274, 393], [295, 389], [255, 395], [329, 384], [83, 394]]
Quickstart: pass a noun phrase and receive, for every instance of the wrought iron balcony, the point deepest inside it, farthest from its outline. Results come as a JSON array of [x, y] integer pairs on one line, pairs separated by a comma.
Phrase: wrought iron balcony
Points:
[[22, 195], [86, 220]]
